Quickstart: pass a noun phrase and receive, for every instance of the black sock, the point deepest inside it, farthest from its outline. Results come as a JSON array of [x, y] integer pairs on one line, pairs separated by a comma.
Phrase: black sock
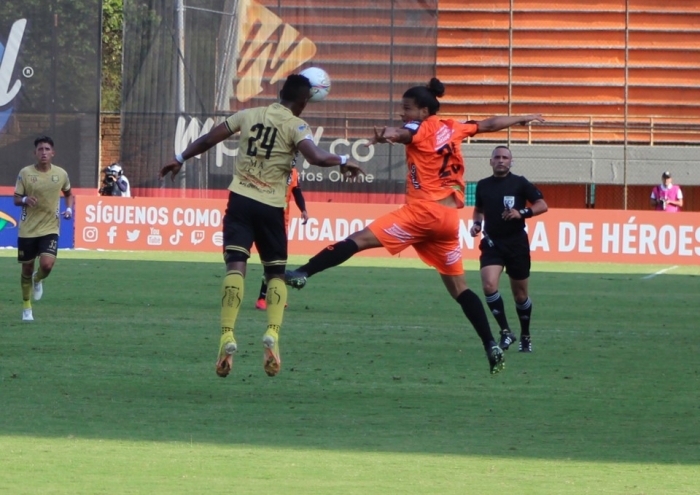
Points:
[[524, 310], [495, 303], [263, 289], [474, 310], [331, 256]]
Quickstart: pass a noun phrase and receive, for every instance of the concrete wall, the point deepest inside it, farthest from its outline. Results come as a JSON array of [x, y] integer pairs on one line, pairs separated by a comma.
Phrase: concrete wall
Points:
[[590, 164]]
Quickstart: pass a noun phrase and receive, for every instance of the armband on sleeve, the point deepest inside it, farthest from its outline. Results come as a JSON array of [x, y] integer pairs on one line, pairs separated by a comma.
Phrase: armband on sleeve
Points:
[[526, 212]]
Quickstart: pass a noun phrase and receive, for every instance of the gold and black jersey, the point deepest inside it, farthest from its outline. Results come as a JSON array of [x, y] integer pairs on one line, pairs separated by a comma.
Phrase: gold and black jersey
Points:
[[268, 144], [44, 217]]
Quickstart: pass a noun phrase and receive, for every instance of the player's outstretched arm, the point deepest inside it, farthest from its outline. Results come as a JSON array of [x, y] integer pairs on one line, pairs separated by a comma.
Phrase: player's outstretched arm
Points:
[[197, 147], [322, 158], [391, 135], [497, 123]]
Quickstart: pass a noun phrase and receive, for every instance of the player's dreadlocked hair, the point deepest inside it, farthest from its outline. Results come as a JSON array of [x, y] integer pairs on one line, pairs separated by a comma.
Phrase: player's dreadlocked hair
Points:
[[426, 96], [295, 88]]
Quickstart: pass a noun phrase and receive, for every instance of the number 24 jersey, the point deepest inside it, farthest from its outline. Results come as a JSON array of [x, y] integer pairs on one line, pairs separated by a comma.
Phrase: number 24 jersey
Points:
[[268, 145]]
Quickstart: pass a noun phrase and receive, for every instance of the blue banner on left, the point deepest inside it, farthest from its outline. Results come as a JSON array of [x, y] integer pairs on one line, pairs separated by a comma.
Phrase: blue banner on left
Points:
[[9, 225]]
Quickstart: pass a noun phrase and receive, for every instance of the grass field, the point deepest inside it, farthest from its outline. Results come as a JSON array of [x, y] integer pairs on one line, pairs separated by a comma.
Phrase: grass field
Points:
[[384, 387]]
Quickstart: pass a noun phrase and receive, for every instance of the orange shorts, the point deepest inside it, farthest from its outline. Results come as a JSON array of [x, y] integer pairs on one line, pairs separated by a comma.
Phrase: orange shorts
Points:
[[431, 228]]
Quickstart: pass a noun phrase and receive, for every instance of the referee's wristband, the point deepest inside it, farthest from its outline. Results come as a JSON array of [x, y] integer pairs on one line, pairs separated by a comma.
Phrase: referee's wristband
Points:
[[343, 160], [526, 212], [179, 158], [24, 200], [69, 211]]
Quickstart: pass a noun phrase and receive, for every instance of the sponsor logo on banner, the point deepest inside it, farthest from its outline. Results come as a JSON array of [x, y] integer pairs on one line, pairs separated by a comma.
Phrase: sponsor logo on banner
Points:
[[189, 129], [9, 87], [6, 221], [267, 42]]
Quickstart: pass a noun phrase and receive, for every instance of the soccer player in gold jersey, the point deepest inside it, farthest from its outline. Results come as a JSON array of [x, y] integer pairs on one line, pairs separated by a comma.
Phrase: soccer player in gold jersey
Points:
[[270, 138], [38, 192]]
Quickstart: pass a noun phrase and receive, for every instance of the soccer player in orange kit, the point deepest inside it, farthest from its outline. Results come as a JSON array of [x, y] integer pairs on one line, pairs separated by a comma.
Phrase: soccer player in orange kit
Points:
[[429, 221]]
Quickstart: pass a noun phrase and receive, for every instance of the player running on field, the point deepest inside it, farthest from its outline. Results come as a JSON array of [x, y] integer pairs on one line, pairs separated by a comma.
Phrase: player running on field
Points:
[[269, 140], [38, 192], [434, 192]]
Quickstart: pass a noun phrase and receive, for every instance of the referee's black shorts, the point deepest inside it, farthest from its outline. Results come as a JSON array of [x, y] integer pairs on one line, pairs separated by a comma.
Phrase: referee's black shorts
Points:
[[249, 222], [511, 252]]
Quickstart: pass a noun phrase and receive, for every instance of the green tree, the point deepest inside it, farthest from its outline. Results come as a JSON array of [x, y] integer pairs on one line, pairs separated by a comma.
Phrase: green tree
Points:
[[112, 37]]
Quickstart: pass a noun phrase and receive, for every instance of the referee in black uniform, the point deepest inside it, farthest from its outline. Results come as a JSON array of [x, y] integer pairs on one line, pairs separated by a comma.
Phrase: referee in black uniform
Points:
[[501, 203]]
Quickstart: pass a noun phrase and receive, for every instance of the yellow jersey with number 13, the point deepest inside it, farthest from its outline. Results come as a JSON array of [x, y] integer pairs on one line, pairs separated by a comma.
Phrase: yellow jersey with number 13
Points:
[[268, 143]]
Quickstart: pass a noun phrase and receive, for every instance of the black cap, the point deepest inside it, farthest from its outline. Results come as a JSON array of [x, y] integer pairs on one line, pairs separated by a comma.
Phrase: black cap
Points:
[[666, 175]]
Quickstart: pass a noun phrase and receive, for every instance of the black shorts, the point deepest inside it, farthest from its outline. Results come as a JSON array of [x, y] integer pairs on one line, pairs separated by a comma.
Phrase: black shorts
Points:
[[512, 252], [249, 222], [28, 248]]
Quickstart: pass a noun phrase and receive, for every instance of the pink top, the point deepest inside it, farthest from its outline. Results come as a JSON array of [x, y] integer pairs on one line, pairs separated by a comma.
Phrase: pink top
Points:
[[673, 193]]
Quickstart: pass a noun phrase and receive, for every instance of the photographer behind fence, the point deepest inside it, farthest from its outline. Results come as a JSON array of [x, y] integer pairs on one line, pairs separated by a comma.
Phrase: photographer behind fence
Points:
[[115, 182]]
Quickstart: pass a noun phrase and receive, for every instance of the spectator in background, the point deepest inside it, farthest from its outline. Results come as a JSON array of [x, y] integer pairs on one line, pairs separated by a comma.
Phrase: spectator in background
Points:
[[667, 196], [115, 182]]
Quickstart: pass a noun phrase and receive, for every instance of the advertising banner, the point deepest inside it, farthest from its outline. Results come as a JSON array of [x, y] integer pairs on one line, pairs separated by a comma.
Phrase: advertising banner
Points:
[[50, 85], [9, 225], [185, 71], [168, 224]]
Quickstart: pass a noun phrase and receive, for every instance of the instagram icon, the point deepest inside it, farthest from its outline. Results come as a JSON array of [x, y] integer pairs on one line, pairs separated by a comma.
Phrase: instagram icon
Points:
[[90, 234]]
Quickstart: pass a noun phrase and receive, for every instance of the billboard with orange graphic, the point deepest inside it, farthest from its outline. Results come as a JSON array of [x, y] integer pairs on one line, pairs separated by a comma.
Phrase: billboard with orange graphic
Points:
[[169, 224], [186, 70]]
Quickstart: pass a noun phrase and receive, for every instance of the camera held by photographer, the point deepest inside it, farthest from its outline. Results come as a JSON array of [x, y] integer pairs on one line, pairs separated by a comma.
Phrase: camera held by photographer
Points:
[[115, 182]]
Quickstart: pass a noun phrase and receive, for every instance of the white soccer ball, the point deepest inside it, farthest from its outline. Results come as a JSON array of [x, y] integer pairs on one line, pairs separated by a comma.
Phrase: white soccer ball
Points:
[[320, 82]]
